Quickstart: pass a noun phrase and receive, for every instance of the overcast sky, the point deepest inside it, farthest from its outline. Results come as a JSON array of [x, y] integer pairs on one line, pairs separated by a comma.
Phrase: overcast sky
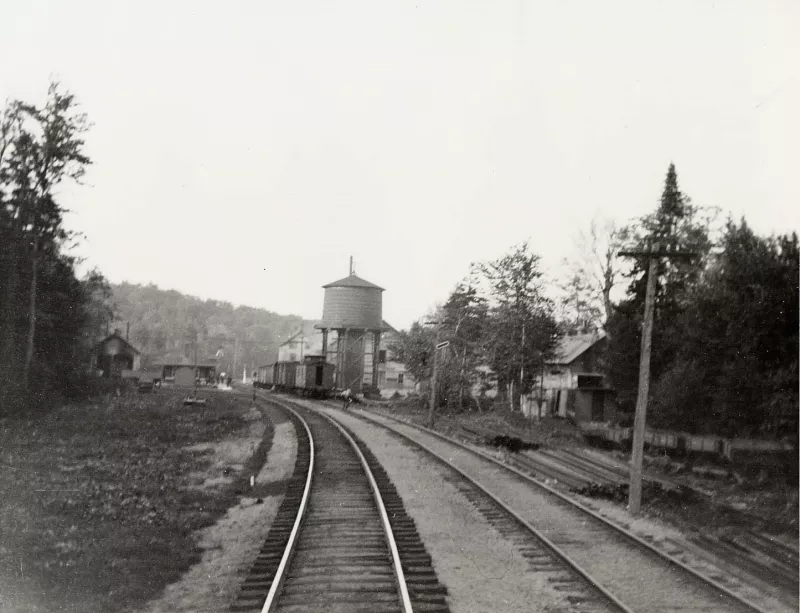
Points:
[[244, 150]]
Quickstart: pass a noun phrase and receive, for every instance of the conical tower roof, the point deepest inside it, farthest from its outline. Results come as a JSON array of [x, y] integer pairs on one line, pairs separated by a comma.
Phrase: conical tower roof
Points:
[[353, 281]]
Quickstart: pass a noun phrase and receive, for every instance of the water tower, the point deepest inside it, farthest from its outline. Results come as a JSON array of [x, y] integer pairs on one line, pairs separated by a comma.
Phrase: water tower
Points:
[[353, 310]]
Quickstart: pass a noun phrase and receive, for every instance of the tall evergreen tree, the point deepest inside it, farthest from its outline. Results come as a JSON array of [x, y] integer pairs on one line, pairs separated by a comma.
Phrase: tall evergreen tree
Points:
[[676, 224]]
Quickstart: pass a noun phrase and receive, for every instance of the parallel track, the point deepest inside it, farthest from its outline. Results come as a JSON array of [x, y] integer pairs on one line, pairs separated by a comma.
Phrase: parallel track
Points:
[[342, 542], [636, 575], [749, 556]]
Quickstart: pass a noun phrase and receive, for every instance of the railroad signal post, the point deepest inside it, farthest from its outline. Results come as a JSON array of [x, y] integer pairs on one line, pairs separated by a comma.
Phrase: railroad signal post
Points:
[[637, 452]]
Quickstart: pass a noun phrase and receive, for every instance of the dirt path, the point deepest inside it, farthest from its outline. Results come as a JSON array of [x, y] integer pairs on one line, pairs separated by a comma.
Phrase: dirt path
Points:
[[231, 544]]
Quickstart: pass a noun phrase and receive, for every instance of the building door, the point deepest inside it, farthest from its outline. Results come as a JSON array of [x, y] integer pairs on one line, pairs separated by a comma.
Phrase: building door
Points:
[[318, 380], [597, 406]]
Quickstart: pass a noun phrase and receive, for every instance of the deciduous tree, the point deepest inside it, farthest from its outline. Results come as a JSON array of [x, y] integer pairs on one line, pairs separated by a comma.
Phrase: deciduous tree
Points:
[[522, 329]]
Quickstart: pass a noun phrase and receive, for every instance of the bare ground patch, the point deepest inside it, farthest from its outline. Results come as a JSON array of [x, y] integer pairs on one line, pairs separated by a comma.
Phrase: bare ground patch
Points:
[[99, 501], [230, 545]]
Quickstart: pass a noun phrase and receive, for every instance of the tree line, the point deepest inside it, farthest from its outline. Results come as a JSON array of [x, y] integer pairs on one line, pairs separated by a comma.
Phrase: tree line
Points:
[[51, 320], [44, 307], [498, 318], [725, 341], [162, 322]]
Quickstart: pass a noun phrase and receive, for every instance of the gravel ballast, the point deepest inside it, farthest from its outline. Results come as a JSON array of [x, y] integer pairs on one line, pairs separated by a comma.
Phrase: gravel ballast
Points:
[[482, 570], [626, 572]]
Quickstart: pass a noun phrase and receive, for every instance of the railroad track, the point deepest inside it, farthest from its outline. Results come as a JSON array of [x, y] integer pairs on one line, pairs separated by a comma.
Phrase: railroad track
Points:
[[341, 540], [630, 572], [754, 558]]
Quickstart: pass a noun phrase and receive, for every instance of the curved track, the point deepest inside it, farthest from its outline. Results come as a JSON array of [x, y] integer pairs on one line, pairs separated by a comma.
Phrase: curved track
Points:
[[628, 569], [333, 545]]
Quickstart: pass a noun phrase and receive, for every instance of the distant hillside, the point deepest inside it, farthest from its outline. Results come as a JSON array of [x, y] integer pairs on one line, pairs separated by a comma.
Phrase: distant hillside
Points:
[[162, 323]]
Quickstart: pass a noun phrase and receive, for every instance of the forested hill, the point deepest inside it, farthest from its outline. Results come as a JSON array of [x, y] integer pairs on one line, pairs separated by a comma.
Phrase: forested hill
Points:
[[163, 321]]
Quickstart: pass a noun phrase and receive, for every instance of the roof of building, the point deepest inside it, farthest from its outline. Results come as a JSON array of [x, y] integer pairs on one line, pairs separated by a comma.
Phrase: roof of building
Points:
[[118, 336], [352, 281], [573, 346], [174, 358], [304, 332], [188, 365], [296, 336]]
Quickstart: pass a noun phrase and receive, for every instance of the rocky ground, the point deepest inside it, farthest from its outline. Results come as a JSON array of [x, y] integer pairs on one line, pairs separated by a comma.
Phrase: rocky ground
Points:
[[102, 505]]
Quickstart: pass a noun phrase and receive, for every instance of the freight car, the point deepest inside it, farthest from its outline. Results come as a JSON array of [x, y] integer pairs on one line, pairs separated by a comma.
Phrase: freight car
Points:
[[311, 377], [284, 376], [314, 377], [266, 378]]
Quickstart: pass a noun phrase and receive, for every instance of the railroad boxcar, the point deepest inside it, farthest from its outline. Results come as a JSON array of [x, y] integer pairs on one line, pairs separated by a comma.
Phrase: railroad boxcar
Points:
[[314, 377], [266, 376], [284, 375]]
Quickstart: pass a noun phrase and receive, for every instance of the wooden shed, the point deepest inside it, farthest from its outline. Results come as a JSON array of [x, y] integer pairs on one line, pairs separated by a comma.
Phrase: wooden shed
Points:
[[115, 354]]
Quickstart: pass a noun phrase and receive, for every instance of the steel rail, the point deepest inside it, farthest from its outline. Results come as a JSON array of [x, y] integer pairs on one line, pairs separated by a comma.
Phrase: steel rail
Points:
[[277, 583], [387, 528], [280, 574], [629, 535], [524, 523]]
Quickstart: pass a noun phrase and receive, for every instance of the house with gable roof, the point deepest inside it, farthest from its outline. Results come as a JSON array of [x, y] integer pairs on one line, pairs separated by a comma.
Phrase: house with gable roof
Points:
[[114, 354], [574, 382]]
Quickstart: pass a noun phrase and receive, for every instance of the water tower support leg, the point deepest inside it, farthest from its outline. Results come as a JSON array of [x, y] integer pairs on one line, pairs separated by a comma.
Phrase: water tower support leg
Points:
[[376, 347]]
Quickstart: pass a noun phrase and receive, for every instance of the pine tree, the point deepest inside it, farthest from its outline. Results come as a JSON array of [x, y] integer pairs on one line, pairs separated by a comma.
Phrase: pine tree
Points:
[[675, 224]]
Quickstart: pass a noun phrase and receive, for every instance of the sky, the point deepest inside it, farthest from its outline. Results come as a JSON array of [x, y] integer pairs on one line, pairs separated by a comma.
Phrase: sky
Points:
[[243, 151]]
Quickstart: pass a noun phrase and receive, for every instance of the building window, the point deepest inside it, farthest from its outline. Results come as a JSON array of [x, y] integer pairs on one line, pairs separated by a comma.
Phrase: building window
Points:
[[590, 381], [293, 357], [382, 356], [400, 378]]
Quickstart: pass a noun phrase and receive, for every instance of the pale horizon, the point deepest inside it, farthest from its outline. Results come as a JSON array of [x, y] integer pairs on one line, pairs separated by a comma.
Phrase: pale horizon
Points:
[[244, 152]]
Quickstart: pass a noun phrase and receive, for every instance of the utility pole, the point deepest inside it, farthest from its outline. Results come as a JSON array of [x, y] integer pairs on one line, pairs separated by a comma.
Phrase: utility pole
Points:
[[235, 356], [196, 373], [522, 369], [637, 452], [432, 405]]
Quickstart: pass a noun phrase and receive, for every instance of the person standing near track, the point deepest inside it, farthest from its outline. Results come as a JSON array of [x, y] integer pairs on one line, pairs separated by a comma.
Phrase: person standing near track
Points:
[[346, 399]]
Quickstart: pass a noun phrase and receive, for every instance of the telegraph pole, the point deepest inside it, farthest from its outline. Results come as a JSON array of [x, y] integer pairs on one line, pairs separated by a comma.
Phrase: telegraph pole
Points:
[[637, 452], [432, 405], [436, 347]]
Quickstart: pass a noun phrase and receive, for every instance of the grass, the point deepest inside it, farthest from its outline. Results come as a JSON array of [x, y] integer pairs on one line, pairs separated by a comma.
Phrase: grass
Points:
[[546, 431], [97, 504]]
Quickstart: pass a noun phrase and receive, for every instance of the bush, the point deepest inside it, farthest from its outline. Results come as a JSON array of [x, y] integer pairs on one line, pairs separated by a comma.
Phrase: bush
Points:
[[371, 393]]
